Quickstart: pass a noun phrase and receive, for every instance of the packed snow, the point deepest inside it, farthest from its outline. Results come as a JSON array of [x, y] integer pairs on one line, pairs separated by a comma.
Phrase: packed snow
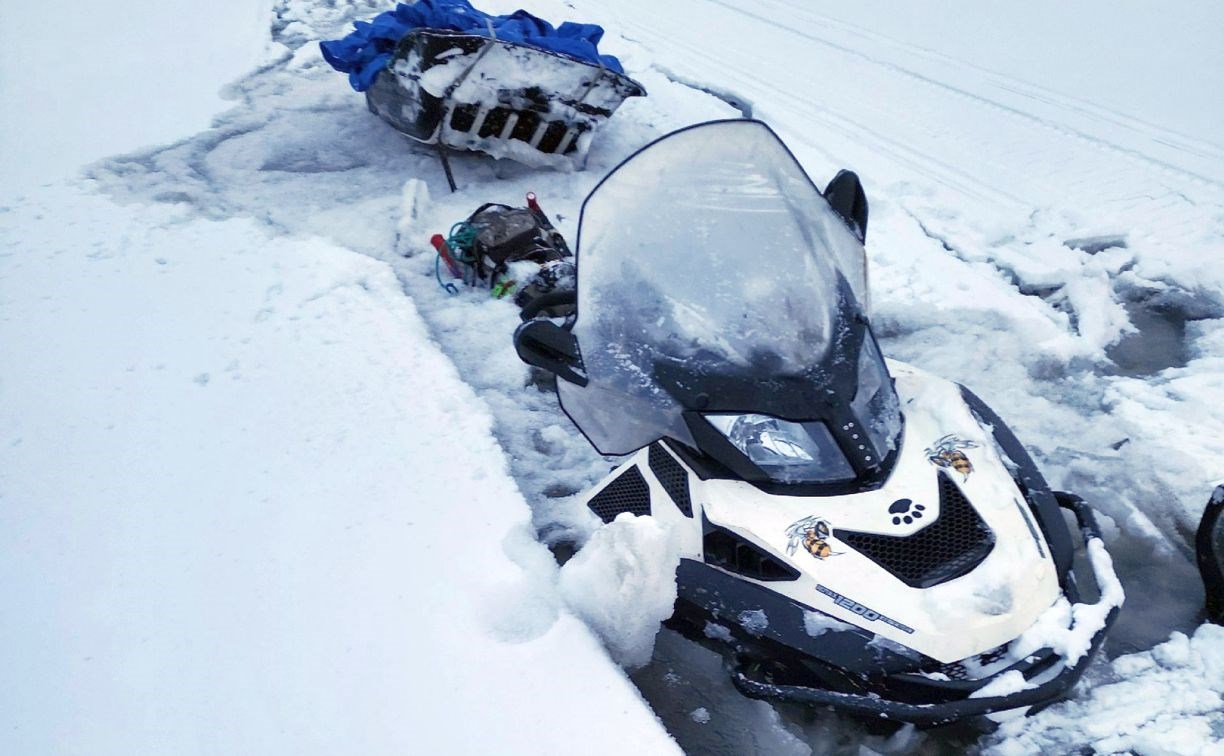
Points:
[[86, 80], [266, 486], [1162, 701], [623, 584], [218, 533]]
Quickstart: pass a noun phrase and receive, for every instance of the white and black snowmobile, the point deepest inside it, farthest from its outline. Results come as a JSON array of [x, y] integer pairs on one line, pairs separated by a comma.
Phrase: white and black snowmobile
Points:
[[855, 532]]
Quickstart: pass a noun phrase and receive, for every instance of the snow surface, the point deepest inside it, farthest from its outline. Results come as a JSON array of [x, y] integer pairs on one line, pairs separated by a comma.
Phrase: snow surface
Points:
[[1157, 66], [249, 507], [1162, 701], [83, 81], [996, 186]]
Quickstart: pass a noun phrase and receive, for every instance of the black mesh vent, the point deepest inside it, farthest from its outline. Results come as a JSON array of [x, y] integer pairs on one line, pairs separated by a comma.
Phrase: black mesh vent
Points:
[[992, 656], [628, 493], [952, 545], [672, 477], [955, 671], [734, 554], [959, 671]]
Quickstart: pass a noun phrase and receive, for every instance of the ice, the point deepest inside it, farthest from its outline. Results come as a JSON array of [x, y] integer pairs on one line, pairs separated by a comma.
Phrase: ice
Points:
[[623, 584], [718, 632], [755, 621], [818, 623], [414, 204]]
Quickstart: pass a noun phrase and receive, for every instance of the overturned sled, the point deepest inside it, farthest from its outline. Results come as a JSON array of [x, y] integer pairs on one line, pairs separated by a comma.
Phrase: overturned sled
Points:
[[507, 99]]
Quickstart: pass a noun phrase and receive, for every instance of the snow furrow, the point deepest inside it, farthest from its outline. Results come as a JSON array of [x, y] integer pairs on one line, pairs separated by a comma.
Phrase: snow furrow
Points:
[[888, 51]]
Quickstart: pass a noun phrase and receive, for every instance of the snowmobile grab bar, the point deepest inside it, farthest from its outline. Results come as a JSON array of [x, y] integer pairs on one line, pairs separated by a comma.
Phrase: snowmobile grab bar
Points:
[[943, 712]]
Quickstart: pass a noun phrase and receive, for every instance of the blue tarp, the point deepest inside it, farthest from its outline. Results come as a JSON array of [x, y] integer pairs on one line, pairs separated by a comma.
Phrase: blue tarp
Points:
[[366, 51]]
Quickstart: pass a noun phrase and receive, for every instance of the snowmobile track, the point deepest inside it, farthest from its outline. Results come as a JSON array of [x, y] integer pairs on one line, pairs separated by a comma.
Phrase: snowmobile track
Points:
[[1067, 164]]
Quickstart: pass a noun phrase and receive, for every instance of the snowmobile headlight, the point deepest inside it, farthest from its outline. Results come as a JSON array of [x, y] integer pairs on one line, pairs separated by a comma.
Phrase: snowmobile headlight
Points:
[[787, 452]]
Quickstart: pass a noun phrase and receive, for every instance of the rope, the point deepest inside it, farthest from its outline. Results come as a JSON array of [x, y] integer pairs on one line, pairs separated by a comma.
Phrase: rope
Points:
[[461, 241], [449, 287]]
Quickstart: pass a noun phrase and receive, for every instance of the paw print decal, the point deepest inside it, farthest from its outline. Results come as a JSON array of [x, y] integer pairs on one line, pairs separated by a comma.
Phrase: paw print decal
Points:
[[905, 510]]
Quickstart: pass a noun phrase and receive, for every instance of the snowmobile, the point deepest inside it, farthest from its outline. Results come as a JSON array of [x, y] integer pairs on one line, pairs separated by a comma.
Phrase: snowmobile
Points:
[[855, 532]]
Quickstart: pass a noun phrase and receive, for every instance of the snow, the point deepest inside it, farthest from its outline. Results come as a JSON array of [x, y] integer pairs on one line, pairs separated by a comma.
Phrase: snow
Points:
[[719, 632], [248, 505], [1166, 700], [754, 621], [1005, 684], [817, 624], [243, 562], [1120, 60], [623, 584], [82, 82], [1067, 628]]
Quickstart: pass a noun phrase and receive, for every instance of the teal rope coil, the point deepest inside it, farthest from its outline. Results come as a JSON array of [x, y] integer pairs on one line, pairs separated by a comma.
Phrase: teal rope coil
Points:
[[460, 241]]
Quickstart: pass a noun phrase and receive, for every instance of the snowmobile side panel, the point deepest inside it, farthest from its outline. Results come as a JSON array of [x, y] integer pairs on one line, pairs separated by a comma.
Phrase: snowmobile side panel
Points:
[[933, 707], [1032, 483], [752, 618]]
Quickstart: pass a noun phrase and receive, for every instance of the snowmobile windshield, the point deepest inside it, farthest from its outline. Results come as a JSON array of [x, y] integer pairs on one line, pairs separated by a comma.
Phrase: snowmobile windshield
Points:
[[707, 254]]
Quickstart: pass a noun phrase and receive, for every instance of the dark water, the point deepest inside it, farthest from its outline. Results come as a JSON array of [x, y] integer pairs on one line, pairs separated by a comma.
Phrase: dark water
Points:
[[1159, 343]]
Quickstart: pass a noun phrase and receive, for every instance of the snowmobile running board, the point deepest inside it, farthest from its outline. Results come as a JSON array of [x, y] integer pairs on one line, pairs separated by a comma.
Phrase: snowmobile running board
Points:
[[938, 713]]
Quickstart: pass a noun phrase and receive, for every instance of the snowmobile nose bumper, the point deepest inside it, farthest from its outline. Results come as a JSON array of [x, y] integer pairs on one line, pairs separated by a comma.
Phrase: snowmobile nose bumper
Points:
[[929, 702]]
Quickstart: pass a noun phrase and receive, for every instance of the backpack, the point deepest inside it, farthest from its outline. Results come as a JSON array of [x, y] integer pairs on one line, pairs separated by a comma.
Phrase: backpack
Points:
[[511, 249]]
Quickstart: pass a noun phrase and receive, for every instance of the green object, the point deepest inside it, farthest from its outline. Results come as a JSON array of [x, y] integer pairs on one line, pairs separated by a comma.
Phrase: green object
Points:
[[502, 288]]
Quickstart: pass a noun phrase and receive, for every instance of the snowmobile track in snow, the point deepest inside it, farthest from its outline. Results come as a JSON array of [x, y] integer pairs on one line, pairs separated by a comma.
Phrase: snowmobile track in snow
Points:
[[846, 89]]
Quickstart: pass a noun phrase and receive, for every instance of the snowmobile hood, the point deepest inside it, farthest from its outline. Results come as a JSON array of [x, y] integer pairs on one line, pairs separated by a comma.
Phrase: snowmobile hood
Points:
[[946, 556], [713, 276]]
